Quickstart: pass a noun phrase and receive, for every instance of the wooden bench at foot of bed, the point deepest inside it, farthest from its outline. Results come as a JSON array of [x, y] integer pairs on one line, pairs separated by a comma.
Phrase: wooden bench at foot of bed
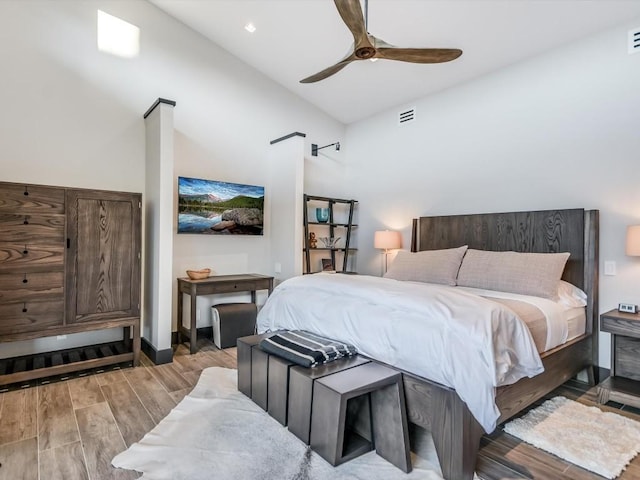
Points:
[[342, 409]]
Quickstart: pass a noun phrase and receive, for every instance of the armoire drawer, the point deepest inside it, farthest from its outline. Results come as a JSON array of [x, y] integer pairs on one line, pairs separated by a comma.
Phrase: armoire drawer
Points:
[[25, 287], [31, 199], [30, 316], [34, 229], [31, 257]]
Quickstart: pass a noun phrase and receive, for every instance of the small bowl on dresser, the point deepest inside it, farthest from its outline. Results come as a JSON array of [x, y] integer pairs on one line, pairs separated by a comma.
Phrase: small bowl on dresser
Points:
[[199, 274]]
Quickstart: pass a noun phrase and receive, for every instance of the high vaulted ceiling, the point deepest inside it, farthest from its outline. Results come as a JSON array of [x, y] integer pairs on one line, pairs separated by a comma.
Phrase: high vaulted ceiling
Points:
[[297, 38]]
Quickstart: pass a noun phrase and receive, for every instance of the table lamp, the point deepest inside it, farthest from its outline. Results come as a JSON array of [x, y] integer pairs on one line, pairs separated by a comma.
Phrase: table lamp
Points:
[[632, 250], [633, 241], [387, 240]]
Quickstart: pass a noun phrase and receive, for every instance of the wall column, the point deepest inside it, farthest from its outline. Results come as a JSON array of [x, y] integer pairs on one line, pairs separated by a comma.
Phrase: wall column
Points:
[[286, 183], [158, 209]]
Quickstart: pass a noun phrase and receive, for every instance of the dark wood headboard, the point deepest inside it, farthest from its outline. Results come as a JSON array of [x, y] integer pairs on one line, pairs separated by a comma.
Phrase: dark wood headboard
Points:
[[545, 231]]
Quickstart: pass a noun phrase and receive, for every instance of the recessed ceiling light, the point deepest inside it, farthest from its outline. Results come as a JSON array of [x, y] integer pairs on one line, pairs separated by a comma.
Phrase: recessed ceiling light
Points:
[[250, 27]]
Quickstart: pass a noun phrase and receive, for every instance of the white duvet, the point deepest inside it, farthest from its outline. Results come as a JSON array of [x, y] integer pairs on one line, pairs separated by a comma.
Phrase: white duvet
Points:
[[449, 336]]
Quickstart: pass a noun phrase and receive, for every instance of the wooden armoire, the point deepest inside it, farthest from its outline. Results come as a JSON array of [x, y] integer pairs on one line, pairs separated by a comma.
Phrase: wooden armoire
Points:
[[69, 263]]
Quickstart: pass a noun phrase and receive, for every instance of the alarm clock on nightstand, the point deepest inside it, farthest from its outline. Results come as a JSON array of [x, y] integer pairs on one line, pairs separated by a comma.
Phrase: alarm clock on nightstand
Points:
[[627, 308]]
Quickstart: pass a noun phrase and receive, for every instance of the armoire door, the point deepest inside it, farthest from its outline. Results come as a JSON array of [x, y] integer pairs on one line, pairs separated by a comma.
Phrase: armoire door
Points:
[[103, 255]]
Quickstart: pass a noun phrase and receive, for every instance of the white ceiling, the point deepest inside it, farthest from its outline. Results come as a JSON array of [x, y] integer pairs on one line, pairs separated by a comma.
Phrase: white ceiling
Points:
[[297, 38]]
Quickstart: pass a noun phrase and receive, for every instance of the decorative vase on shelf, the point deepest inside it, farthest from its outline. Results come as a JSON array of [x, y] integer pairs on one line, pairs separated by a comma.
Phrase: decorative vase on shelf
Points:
[[322, 215]]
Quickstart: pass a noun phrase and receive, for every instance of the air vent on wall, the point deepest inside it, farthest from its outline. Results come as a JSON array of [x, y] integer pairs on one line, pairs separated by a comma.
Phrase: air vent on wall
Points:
[[634, 40], [407, 116]]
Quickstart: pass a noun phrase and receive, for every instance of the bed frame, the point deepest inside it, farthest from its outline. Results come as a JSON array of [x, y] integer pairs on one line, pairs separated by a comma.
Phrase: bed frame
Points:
[[438, 408]]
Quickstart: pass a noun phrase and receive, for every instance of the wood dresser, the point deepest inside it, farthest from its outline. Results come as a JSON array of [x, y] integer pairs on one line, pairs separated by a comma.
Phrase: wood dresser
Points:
[[69, 263]]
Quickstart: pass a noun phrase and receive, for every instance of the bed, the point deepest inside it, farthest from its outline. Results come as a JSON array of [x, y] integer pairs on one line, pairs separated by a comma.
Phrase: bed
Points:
[[436, 402]]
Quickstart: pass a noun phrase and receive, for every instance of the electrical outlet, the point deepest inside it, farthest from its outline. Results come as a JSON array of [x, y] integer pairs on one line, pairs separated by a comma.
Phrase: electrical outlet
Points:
[[277, 267]]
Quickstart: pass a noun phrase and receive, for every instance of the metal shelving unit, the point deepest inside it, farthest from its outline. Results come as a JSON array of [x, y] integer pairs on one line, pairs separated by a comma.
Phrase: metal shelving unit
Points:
[[334, 228]]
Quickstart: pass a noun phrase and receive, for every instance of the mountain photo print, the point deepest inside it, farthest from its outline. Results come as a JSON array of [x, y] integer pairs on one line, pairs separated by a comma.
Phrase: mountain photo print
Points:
[[219, 208]]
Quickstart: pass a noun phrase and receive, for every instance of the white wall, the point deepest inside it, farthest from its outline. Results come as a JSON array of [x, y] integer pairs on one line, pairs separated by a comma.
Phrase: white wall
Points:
[[73, 116], [558, 131]]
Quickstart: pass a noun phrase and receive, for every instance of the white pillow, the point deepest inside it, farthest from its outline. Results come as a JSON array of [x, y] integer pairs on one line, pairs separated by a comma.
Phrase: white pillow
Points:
[[570, 296], [430, 266]]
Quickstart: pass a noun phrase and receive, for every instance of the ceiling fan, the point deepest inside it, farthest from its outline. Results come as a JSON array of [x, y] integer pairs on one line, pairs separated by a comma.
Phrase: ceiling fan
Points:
[[366, 46]]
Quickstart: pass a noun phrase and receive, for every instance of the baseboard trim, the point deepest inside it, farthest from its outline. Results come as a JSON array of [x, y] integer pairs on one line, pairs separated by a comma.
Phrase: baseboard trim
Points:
[[203, 332], [602, 373], [158, 357]]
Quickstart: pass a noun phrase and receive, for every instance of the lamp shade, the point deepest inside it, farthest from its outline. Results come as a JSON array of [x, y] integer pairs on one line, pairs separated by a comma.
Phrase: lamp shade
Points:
[[387, 239], [633, 241]]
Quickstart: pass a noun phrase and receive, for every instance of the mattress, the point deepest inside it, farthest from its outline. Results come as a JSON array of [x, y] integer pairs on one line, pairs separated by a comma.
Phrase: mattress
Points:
[[576, 319]]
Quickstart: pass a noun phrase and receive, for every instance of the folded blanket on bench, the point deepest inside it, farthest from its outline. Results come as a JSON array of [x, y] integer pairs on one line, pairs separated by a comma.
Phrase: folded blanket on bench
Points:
[[306, 349]]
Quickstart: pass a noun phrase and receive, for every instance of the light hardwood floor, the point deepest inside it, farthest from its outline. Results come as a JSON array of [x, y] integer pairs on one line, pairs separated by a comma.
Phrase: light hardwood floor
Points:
[[72, 429]]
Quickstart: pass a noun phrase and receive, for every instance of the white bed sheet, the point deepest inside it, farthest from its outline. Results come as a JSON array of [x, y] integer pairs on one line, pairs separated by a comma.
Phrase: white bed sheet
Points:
[[564, 323], [441, 333]]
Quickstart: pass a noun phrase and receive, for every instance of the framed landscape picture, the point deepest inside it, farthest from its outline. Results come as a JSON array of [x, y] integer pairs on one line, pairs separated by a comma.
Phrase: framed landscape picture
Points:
[[219, 208]]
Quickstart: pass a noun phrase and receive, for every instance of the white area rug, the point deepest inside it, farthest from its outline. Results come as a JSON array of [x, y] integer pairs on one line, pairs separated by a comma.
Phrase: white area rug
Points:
[[218, 433], [602, 442]]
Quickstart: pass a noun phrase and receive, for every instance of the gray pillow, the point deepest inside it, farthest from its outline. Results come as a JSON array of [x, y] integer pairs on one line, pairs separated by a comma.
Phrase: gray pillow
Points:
[[534, 274], [431, 266]]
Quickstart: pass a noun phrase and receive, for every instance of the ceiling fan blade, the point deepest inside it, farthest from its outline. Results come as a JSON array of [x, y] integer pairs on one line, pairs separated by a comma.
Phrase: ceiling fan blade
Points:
[[351, 13], [327, 72], [418, 55]]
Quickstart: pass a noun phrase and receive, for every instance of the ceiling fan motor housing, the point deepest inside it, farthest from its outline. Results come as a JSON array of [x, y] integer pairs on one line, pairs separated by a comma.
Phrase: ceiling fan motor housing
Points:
[[365, 52]]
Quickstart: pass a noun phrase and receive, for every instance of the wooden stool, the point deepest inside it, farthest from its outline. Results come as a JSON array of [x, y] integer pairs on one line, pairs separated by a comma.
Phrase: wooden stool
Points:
[[383, 392], [259, 377], [301, 382], [245, 377], [263, 377], [278, 387]]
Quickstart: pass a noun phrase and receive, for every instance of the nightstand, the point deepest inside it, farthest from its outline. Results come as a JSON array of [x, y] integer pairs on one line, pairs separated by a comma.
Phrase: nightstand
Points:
[[623, 385]]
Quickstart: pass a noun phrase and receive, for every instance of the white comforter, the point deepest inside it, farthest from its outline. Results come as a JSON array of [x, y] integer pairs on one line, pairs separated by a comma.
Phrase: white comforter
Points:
[[453, 337]]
